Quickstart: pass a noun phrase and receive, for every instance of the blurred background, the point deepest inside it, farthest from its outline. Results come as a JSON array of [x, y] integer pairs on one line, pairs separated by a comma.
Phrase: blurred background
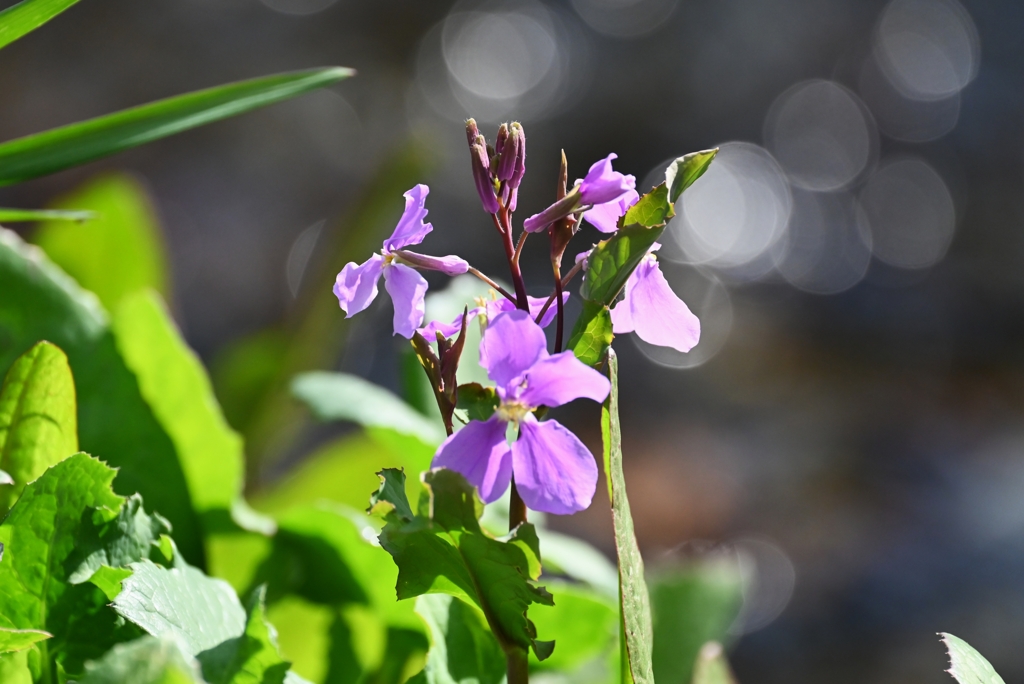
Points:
[[852, 415]]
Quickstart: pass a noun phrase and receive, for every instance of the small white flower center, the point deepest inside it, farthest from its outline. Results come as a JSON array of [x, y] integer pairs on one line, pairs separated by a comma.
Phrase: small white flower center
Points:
[[513, 411]]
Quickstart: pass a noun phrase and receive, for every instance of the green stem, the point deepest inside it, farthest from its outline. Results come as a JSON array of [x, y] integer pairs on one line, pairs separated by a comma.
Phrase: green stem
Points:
[[518, 666]]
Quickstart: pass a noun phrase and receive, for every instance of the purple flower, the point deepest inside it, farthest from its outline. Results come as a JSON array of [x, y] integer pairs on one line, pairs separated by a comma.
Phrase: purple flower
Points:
[[652, 310], [356, 285], [605, 217], [554, 471], [600, 186], [489, 309]]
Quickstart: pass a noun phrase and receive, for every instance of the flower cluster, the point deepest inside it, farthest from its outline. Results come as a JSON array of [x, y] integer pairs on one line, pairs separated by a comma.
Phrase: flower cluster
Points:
[[549, 468]]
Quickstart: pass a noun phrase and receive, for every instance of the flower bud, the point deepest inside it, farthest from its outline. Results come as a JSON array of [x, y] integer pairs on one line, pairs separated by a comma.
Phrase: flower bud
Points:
[[520, 166], [509, 155], [471, 130], [499, 140], [482, 176]]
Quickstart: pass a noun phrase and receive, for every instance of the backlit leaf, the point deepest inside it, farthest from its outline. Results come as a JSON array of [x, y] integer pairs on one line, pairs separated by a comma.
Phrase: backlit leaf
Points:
[[27, 16], [967, 665], [682, 173]]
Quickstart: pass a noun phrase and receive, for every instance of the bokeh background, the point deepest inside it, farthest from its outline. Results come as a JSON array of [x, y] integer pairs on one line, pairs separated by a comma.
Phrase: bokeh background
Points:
[[852, 415]]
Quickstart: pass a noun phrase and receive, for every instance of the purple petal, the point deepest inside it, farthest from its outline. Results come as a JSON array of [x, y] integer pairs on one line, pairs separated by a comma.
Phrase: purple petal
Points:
[[430, 330], [407, 289], [511, 344], [411, 229], [555, 472], [356, 285], [604, 185], [651, 309], [605, 217], [449, 265], [559, 379], [480, 453]]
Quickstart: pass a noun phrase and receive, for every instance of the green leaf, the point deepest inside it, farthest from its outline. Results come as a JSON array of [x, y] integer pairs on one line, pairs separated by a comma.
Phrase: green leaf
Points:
[[109, 579], [572, 557], [582, 622], [27, 16], [38, 422], [613, 260], [592, 334], [340, 396], [20, 639], [175, 385], [40, 537], [117, 253], [477, 401], [24, 215], [681, 173], [442, 549], [253, 657], [51, 151], [651, 210], [634, 600], [462, 647], [692, 604], [712, 666], [967, 665], [40, 302], [147, 660]]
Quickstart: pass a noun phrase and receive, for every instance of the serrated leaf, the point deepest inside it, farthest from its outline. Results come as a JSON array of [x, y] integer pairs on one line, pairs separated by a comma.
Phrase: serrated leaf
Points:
[[253, 657], [41, 302], [20, 639], [183, 603], [967, 665], [147, 660], [635, 602], [613, 260], [26, 215], [462, 647], [129, 537], [443, 550], [118, 252], [175, 386], [340, 396], [712, 666], [477, 401], [38, 420], [682, 173], [54, 150], [25, 17], [592, 334], [651, 210]]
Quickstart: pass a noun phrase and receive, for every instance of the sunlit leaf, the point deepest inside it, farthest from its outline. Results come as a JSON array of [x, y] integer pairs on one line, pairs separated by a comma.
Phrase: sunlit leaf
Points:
[[18, 639], [592, 334], [54, 150], [712, 666], [582, 622], [967, 665], [23, 215], [682, 173], [27, 16], [146, 660]]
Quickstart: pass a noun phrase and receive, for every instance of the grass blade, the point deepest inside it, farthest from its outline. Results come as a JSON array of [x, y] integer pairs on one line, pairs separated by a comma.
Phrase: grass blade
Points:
[[27, 16], [23, 215]]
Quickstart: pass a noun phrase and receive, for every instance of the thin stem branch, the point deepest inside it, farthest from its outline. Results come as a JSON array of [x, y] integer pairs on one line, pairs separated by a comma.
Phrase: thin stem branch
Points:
[[559, 304], [505, 228], [565, 281], [516, 508], [498, 288], [519, 246]]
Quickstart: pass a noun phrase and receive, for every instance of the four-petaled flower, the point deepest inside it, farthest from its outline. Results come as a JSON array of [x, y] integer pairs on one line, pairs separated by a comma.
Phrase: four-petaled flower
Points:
[[554, 471], [601, 185], [356, 285]]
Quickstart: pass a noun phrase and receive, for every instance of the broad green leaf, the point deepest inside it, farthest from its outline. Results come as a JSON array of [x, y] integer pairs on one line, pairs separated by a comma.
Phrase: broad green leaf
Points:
[[199, 611], [967, 665], [175, 385], [712, 666], [652, 210], [635, 602], [54, 150], [477, 401], [613, 260], [582, 622], [109, 579], [117, 253], [27, 16], [19, 639], [340, 396], [38, 423], [24, 215], [41, 302], [682, 173], [253, 657], [442, 549], [147, 660], [129, 537], [592, 334], [41, 537], [692, 604], [462, 648]]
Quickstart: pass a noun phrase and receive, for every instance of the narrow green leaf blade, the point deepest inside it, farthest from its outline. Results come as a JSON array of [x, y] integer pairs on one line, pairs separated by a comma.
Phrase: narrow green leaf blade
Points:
[[340, 396], [51, 151], [967, 665], [682, 173], [20, 639], [27, 16], [23, 215], [712, 666], [634, 600], [592, 335], [38, 419], [117, 253], [146, 660]]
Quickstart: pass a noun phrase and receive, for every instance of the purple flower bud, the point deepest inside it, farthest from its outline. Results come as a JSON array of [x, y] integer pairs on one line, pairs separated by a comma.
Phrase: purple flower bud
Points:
[[520, 170], [471, 131], [500, 138], [509, 155], [482, 175], [556, 212]]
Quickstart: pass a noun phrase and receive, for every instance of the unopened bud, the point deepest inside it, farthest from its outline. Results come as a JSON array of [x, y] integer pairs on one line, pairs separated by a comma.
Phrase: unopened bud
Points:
[[520, 166], [482, 176], [509, 155], [471, 130], [499, 140]]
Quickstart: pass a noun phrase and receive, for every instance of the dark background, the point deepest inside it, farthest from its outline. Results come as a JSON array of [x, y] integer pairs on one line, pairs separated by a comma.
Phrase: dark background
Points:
[[857, 422]]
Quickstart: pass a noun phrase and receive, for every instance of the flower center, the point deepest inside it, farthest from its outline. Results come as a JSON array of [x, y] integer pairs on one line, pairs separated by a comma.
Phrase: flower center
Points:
[[513, 411]]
